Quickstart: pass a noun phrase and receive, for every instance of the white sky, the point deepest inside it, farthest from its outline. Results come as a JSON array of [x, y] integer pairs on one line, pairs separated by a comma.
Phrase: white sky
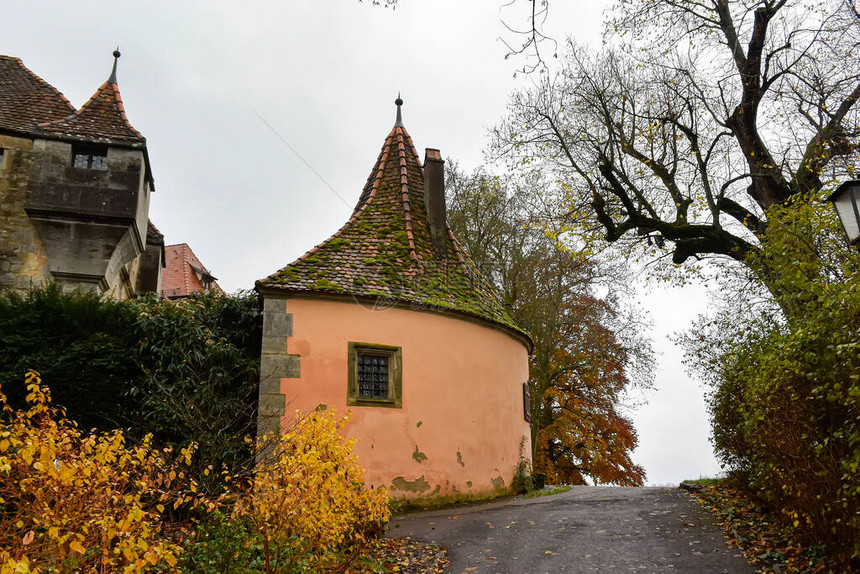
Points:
[[323, 74]]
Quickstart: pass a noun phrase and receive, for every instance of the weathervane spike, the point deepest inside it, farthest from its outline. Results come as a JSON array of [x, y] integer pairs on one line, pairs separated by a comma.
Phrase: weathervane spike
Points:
[[116, 56], [398, 102]]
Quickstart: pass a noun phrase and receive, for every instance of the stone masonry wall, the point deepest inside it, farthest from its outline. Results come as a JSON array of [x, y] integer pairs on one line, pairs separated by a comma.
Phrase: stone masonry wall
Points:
[[275, 364], [22, 255]]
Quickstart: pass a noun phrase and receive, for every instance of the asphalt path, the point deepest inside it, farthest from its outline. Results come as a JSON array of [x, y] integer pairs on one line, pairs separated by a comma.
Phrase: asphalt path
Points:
[[587, 529]]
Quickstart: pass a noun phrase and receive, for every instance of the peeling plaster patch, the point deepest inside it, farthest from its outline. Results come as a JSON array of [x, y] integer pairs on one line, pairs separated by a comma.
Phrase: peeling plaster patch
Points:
[[322, 406], [437, 490], [469, 483], [419, 424], [418, 455], [498, 483], [460, 459], [418, 485]]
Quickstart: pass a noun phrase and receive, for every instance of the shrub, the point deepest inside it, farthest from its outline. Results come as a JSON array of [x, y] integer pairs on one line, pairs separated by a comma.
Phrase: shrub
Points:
[[83, 348], [308, 505], [785, 403], [199, 359], [220, 545], [81, 503], [184, 371]]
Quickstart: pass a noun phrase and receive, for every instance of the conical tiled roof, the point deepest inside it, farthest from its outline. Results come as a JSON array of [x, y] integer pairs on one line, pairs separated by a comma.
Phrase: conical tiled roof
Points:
[[102, 118], [384, 252], [26, 99]]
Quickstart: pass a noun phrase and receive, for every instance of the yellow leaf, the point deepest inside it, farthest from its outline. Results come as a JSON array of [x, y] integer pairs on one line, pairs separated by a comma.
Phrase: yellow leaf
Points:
[[75, 546]]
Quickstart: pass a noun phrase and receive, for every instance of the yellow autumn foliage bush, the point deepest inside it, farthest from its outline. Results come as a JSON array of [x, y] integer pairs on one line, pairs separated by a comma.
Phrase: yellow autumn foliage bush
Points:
[[308, 504], [82, 503], [76, 502]]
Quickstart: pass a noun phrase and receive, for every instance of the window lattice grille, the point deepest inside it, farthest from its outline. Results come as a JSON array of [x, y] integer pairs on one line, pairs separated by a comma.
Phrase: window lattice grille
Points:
[[372, 376]]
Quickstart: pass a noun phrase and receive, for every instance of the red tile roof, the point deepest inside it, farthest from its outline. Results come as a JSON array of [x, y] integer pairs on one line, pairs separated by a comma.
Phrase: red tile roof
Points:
[[101, 118], [183, 274], [26, 99], [30, 105], [385, 251]]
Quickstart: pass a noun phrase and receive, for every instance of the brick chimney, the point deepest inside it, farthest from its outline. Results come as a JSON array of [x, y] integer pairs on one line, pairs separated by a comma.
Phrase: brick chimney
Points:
[[434, 200]]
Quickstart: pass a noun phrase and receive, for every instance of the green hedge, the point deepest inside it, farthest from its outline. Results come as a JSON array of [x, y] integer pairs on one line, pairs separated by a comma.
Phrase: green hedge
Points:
[[183, 370]]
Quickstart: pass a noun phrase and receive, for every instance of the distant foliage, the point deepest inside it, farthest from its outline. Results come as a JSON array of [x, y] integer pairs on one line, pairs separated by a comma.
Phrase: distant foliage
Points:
[[184, 371], [786, 380], [308, 505], [76, 502]]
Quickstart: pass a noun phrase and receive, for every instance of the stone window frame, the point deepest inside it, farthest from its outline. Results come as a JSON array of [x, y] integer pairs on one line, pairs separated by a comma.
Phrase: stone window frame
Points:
[[89, 151], [395, 375]]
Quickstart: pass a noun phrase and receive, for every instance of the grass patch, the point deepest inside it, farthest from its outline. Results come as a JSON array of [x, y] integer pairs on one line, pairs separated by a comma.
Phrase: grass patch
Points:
[[549, 491], [442, 502], [700, 483]]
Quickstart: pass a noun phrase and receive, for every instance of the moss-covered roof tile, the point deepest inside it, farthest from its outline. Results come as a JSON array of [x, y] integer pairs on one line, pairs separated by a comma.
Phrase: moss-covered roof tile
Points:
[[385, 249]]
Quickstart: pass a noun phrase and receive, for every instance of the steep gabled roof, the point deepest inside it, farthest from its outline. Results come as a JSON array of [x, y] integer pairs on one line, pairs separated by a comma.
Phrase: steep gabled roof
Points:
[[183, 272], [101, 119], [26, 99], [384, 252]]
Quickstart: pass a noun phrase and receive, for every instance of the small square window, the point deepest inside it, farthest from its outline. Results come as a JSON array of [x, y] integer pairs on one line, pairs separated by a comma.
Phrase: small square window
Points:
[[2, 156], [375, 375], [89, 157]]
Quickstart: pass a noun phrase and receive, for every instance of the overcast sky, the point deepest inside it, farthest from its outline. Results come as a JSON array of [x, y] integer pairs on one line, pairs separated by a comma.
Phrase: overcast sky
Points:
[[263, 121]]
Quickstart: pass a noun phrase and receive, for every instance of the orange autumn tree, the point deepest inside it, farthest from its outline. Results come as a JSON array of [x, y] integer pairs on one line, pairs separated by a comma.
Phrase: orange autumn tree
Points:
[[589, 349], [577, 377]]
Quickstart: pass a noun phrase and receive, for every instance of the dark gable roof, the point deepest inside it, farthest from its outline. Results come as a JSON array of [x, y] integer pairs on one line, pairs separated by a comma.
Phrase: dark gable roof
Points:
[[102, 119], [153, 235], [384, 252], [26, 99]]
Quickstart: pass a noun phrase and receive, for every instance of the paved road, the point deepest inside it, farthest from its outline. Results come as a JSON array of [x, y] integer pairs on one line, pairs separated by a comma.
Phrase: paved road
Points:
[[588, 529]]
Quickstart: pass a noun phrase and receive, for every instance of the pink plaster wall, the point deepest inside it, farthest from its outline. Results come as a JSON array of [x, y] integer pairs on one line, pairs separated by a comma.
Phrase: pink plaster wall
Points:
[[462, 393]]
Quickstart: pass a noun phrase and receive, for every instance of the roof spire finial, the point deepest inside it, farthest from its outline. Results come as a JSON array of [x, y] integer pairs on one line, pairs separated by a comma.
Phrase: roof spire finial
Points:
[[398, 102], [116, 56]]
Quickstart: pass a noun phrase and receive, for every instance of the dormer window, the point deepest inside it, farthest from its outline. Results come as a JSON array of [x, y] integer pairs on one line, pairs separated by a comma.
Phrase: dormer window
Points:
[[89, 157]]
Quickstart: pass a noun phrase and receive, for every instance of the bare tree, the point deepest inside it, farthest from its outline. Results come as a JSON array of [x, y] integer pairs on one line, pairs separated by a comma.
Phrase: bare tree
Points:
[[532, 41], [697, 117]]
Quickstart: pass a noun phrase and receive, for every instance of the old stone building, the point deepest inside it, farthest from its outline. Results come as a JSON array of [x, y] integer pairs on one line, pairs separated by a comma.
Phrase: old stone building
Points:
[[390, 318], [75, 187]]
